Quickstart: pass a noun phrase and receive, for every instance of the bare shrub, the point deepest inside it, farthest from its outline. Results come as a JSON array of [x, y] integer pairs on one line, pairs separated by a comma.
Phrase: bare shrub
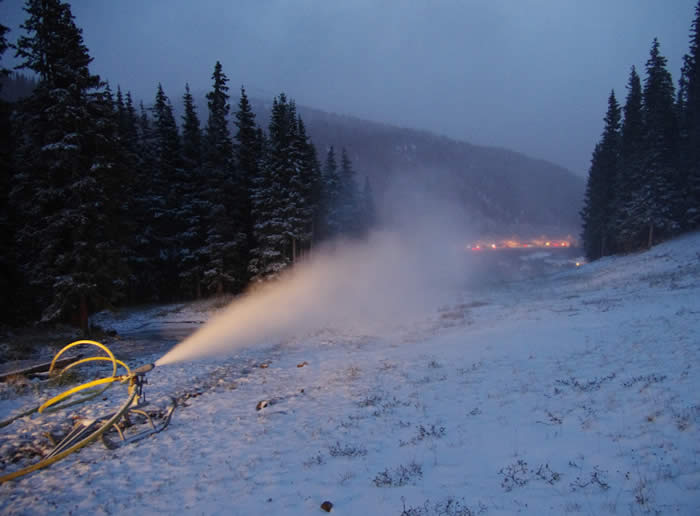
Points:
[[432, 432], [348, 450], [399, 476]]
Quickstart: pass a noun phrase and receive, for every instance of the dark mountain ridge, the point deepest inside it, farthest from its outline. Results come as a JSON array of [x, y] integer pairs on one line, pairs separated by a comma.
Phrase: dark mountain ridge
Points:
[[503, 192]]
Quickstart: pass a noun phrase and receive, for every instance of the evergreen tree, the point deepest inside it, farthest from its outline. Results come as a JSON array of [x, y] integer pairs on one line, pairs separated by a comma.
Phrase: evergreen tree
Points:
[[111, 169], [191, 133], [248, 155], [273, 201], [304, 188], [147, 207], [627, 226], [167, 138], [129, 161], [312, 187], [61, 189], [225, 239], [129, 127], [658, 200], [9, 277], [331, 196], [120, 106], [167, 188], [349, 198], [597, 212], [191, 207], [4, 45], [689, 104]]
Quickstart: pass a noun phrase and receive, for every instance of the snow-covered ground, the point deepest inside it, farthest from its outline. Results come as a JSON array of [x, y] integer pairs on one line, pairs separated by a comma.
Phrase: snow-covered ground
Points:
[[578, 393]]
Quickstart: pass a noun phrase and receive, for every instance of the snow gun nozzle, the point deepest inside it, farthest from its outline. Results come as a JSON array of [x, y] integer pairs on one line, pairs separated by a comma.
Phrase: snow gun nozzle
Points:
[[141, 371]]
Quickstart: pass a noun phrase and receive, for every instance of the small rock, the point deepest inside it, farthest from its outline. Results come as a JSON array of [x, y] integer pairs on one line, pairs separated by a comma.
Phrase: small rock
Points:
[[327, 506]]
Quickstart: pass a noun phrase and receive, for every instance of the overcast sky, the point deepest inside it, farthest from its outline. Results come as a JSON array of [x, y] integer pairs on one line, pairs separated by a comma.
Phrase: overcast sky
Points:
[[530, 75]]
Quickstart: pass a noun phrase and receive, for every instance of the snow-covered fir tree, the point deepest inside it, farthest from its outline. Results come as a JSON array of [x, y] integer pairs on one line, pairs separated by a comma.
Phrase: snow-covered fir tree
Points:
[[626, 224], [224, 249], [168, 184], [248, 154], [331, 196], [304, 187], [689, 114], [59, 190], [597, 213], [272, 202], [190, 208], [348, 207], [9, 276], [656, 200]]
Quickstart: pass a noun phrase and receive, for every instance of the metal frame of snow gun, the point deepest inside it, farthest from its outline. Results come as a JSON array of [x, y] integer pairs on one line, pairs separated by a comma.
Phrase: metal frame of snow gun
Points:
[[88, 431]]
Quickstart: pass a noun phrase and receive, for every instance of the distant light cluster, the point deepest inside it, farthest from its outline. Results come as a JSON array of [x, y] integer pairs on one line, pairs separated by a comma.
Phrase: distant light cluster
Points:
[[539, 243]]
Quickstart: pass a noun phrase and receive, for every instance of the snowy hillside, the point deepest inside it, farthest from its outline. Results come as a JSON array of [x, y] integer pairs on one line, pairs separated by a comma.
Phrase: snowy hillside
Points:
[[572, 394]]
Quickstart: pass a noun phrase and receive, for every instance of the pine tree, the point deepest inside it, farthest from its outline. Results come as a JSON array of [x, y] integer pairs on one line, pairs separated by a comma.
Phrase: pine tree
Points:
[[167, 187], [658, 199], [304, 187], [273, 202], [599, 200], [349, 198], [120, 106], [331, 196], [626, 223], [9, 276], [4, 45], [129, 127], [60, 190], [248, 156], [191, 132], [225, 239], [312, 187], [191, 206], [689, 104], [109, 167]]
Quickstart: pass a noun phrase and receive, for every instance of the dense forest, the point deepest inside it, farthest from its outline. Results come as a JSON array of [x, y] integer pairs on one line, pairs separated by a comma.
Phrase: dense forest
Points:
[[644, 180], [106, 203]]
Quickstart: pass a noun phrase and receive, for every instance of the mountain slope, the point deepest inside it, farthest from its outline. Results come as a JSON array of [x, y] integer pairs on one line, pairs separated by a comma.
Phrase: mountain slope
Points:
[[501, 190], [571, 394]]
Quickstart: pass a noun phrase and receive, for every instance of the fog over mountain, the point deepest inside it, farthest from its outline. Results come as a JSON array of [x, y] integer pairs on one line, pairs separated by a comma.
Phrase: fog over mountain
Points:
[[500, 191]]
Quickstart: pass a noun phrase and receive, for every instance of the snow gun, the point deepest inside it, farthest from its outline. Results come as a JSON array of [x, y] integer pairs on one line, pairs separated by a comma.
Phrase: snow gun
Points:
[[130, 414]]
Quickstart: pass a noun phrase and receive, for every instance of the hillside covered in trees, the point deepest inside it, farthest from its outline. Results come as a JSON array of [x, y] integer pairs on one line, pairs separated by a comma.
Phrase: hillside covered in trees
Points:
[[108, 200], [644, 182], [106, 203]]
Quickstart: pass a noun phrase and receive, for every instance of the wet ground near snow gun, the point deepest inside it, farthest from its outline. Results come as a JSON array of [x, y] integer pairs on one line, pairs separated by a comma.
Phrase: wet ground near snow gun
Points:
[[87, 431]]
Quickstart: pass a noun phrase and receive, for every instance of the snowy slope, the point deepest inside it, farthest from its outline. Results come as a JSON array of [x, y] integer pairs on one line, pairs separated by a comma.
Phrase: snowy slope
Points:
[[573, 394]]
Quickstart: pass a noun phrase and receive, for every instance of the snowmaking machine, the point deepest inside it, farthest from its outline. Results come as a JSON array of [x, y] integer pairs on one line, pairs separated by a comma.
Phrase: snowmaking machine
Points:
[[131, 422]]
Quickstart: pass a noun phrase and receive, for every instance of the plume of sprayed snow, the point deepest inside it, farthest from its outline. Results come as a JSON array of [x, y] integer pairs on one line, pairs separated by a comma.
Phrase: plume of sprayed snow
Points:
[[369, 286]]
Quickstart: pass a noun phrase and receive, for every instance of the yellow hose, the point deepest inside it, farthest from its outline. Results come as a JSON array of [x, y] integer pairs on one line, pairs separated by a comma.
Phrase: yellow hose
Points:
[[93, 359], [106, 381], [79, 388], [87, 385], [91, 342], [92, 438]]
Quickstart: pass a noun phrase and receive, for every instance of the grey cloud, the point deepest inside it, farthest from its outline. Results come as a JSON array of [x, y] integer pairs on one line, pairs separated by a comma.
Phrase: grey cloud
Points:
[[529, 75]]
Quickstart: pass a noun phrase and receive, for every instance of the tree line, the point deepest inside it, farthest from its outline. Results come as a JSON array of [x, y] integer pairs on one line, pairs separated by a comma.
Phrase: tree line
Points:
[[105, 203], [644, 181]]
